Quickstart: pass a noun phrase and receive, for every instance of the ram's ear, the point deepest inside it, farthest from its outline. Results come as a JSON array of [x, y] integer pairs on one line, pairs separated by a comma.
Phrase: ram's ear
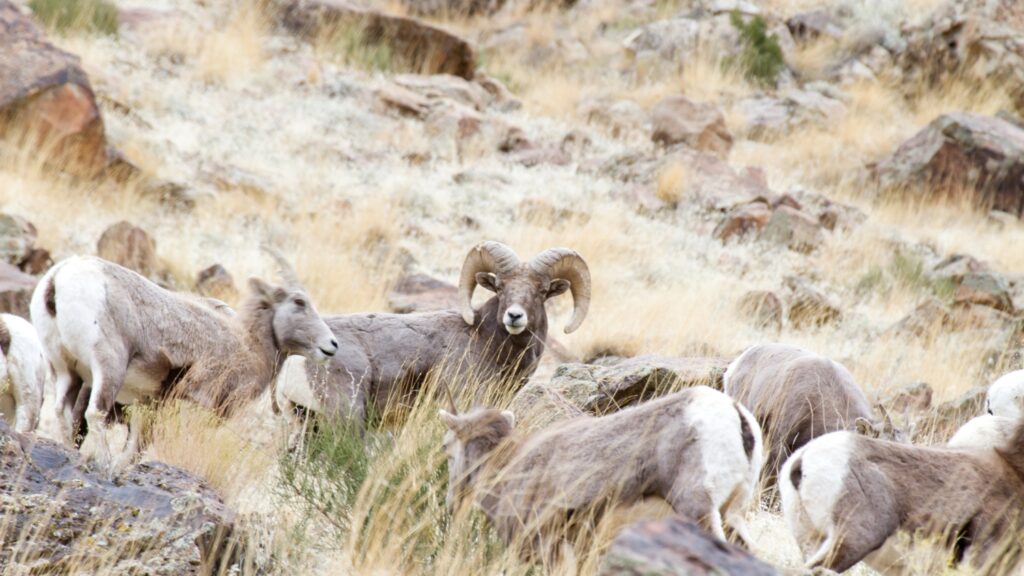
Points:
[[558, 286], [864, 427], [488, 281]]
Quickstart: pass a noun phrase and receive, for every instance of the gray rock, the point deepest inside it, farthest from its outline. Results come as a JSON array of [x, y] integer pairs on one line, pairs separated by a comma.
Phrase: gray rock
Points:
[[15, 290], [673, 40], [699, 125], [675, 547], [794, 229], [808, 307], [961, 152], [153, 518], [17, 239]]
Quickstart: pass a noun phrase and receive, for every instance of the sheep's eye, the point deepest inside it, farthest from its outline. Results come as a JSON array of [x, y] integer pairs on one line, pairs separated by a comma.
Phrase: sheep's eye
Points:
[[300, 302]]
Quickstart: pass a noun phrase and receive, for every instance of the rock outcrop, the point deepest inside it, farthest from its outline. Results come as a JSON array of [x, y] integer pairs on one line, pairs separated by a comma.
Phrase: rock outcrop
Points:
[[61, 517]]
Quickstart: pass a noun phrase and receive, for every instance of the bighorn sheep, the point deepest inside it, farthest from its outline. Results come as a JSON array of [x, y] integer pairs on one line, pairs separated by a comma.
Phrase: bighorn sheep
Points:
[[129, 340], [844, 496], [697, 449], [1006, 396], [985, 431], [23, 373], [797, 395], [385, 355]]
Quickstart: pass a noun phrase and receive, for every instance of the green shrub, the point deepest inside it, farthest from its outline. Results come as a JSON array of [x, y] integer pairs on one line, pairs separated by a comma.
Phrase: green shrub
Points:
[[760, 56], [64, 16]]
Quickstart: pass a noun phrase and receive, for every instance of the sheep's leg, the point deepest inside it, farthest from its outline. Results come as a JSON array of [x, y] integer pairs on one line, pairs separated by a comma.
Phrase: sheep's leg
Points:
[[735, 519], [66, 389], [696, 505], [105, 383]]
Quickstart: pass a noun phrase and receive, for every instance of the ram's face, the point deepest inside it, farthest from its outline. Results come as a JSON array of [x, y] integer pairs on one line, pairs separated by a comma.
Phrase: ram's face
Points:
[[521, 298]]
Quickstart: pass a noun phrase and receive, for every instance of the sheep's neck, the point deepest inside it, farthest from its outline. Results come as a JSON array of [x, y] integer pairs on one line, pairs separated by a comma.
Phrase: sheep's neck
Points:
[[489, 486], [257, 324]]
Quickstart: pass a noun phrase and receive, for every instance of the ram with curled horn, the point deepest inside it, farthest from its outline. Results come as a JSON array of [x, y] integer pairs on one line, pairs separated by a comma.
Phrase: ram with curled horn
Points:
[[387, 357]]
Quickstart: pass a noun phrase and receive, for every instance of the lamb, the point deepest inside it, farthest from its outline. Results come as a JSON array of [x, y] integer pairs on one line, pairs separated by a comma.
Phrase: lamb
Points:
[[386, 356], [23, 373], [1006, 396], [697, 449], [797, 395], [112, 335], [846, 496]]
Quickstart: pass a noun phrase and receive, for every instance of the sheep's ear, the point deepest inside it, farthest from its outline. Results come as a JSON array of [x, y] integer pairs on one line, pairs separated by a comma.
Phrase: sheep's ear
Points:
[[558, 286], [508, 415], [487, 280], [266, 291], [450, 420], [864, 427]]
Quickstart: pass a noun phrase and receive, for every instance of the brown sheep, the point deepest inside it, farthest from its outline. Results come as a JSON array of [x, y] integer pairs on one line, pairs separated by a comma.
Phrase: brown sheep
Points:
[[796, 396], [845, 497], [697, 449], [386, 356]]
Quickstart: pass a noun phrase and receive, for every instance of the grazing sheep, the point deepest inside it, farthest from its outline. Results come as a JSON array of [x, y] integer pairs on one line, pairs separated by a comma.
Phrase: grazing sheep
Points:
[[796, 396], [697, 449], [844, 496], [124, 339], [1006, 396], [23, 372], [384, 356]]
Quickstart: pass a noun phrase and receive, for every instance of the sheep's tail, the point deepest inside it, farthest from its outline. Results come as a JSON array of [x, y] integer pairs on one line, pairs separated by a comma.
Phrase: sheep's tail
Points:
[[50, 296]]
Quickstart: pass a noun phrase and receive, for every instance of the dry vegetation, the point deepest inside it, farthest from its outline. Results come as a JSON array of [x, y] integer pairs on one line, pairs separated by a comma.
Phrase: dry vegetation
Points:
[[248, 123]]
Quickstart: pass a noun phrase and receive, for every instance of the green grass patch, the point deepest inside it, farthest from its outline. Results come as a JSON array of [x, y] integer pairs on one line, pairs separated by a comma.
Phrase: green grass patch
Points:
[[348, 43], [77, 16], [760, 57]]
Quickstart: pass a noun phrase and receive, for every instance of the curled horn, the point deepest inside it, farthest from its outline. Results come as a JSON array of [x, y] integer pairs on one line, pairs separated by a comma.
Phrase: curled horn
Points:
[[489, 256], [284, 268], [568, 265]]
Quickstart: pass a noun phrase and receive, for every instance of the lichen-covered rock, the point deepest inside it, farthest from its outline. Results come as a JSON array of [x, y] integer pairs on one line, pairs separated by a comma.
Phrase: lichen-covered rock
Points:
[[763, 308], [984, 288], [45, 93], [17, 239], [576, 389], [216, 282], [793, 229], [699, 125], [415, 45], [59, 516], [808, 307], [958, 153], [422, 293], [15, 290], [675, 547], [130, 246]]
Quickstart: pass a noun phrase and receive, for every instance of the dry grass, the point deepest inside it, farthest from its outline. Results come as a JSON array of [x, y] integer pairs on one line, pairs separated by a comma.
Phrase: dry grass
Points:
[[236, 49]]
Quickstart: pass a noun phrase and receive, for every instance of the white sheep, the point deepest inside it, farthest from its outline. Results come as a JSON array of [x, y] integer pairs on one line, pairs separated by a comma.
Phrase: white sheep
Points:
[[1006, 396], [23, 373], [113, 336]]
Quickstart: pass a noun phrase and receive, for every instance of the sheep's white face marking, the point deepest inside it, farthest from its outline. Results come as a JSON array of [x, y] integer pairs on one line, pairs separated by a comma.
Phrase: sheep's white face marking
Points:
[[515, 319], [1006, 396]]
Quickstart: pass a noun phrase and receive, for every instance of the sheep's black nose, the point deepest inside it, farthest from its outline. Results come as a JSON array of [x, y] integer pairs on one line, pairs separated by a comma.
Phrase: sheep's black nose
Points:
[[334, 344], [513, 316]]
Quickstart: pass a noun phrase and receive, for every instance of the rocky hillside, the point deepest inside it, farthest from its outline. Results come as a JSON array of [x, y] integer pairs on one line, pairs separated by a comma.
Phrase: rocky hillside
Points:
[[846, 176]]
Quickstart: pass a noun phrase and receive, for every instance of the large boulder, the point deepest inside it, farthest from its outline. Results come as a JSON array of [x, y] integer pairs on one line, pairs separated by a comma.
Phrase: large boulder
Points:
[[960, 152], [153, 518], [415, 45], [794, 229], [767, 117], [699, 125], [15, 290], [984, 288], [17, 239], [593, 389], [46, 96], [743, 220], [808, 306], [130, 246], [673, 547], [422, 293]]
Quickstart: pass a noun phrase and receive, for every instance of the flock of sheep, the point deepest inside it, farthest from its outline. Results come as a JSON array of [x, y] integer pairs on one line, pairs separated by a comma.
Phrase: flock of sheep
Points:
[[789, 420]]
